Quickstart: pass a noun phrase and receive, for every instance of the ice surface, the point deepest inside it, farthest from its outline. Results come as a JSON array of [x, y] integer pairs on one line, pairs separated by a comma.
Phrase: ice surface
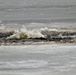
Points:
[[53, 59]]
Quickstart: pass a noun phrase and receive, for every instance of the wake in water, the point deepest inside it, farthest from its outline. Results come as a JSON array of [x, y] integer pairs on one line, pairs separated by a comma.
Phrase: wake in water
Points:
[[23, 35]]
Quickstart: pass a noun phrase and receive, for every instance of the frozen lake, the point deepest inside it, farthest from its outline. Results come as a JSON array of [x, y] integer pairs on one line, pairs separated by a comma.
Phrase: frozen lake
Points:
[[38, 13], [53, 59]]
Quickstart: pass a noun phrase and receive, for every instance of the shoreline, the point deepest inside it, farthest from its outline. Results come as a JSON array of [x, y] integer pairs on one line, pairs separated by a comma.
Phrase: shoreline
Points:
[[45, 35], [35, 41]]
